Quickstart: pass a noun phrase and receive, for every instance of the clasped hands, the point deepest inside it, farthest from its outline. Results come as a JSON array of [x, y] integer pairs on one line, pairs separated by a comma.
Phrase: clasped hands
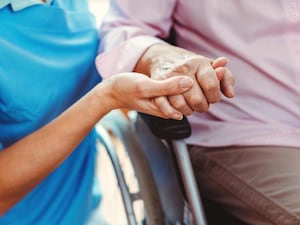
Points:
[[211, 77]]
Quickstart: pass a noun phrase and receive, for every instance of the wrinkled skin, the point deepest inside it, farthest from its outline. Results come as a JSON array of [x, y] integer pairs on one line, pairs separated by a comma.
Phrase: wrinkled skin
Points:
[[211, 77]]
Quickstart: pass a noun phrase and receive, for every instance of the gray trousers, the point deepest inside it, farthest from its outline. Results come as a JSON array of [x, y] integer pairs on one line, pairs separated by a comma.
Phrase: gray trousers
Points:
[[259, 185]]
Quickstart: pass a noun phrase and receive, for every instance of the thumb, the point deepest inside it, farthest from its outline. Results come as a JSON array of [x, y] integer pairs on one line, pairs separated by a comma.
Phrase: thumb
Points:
[[171, 86]]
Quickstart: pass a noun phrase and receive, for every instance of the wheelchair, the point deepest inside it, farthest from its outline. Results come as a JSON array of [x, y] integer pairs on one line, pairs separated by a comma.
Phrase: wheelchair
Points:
[[159, 157]]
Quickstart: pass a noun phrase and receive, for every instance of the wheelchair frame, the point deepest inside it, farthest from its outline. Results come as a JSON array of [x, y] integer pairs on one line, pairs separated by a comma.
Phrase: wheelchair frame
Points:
[[161, 164]]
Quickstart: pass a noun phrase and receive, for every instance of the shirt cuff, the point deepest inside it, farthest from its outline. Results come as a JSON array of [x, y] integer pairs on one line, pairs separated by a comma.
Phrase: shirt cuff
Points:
[[124, 57]]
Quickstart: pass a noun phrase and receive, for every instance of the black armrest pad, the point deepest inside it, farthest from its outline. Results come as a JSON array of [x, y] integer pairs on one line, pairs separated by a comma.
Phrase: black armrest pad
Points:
[[167, 128]]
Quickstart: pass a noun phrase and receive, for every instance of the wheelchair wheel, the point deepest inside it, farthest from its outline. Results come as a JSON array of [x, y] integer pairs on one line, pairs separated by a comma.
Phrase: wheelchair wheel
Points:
[[148, 191], [120, 127]]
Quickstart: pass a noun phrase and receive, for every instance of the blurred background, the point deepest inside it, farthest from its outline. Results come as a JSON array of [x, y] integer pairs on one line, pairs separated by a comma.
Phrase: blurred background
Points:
[[98, 8], [111, 208]]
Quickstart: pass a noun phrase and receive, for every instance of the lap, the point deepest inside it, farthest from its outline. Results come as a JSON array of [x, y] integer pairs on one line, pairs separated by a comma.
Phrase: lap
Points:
[[259, 185]]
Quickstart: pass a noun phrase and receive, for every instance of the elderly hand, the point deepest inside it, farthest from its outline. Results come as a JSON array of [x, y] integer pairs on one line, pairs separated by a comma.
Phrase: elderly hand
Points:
[[211, 77]]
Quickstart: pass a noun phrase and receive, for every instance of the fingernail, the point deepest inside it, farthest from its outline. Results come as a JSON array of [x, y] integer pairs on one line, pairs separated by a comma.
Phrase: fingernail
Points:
[[186, 82], [177, 116]]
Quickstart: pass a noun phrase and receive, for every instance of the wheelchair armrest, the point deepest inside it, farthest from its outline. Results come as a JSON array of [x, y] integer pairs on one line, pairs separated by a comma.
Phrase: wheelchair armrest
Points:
[[168, 129]]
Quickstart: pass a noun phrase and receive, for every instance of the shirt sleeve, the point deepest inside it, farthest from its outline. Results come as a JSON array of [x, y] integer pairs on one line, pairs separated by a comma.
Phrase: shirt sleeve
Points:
[[128, 29]]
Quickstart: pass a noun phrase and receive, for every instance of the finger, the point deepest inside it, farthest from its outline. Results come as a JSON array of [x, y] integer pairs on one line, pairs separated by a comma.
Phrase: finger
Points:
[[220, 71], [171, 86], [196, 100], [209, 83], [219, 62], [200, 95], [179, 103], [166, 110], [227, 84]]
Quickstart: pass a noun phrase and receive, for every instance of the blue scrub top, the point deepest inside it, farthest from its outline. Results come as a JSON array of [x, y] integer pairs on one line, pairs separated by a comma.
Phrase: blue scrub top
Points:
[[47, 57]]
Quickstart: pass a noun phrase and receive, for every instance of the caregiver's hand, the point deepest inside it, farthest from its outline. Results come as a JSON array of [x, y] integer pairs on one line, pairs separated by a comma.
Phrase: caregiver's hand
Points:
[[137, 91]]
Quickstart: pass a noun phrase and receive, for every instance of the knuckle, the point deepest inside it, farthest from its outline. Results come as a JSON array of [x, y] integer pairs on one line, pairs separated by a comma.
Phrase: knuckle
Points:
[[196, 100], [201, 106], [178, 103], [211, 86], [199, 103], [214, 97], [159, 102], [212, 92]]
